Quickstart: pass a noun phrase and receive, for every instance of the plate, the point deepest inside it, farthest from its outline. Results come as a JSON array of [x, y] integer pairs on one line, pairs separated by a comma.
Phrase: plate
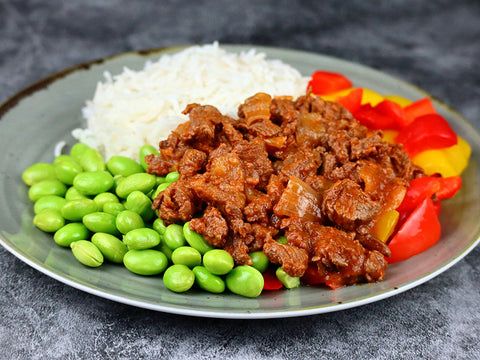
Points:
[[36, 119]]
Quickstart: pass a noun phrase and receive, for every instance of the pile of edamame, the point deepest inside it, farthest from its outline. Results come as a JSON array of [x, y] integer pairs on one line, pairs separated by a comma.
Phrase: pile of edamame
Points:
[[103, 211]]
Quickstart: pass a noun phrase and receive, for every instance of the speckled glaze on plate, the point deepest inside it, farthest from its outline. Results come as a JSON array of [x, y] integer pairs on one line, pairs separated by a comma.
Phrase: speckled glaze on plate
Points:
[[34, 120]]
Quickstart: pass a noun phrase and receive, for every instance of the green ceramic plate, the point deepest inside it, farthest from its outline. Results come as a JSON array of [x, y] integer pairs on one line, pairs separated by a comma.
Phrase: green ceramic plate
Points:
[[34, 120]]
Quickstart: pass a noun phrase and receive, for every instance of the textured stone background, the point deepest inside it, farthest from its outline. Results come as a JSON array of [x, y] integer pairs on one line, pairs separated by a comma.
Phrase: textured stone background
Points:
[[434, 44]]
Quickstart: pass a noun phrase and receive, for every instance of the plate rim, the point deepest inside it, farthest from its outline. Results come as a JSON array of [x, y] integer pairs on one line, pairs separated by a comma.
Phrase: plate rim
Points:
[[43, 83]]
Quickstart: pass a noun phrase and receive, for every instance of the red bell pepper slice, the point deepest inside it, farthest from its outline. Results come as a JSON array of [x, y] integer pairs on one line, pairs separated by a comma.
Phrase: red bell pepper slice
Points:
[[419, 190], [449, 186], [373, 119], [426, 132], [312, 276], [352, 101], [270, 281], [393, 110], [420, 231], [419, 108], [326, 82]]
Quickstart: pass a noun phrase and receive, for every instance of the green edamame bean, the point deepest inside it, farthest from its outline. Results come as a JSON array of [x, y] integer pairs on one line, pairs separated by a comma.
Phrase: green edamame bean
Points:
[[70, 233], [178, 278], [112, 248], [218, 261], [144, 151], [288, 281], [66, 170], [128, 220], [87, 253], [100, 222], [92, 161], [140, 203], [259, 261], [173, 236], [74, 194], [49, 220], [187, 256], [113, 208], [105, 197], [142, 238], [78, 150], [52, 202], [61, 158], [195, 240], [160, 188], [75, 210], [93, 182], [208, 281], [38, 172], [172, 176], [145, 262], [245, 280], [121, 165], [142, 182], [45, 188], [281, 239], [159, 226], [160, 180]]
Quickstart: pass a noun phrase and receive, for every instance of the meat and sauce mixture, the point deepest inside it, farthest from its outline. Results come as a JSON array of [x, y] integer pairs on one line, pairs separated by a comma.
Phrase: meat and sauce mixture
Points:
[[304, 169]]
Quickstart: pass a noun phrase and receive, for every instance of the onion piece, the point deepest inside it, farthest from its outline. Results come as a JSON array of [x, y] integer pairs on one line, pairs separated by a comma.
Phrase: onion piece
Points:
[[299, 200]]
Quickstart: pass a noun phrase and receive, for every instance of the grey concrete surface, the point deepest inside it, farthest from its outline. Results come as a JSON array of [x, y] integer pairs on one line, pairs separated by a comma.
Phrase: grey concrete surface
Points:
[[433, 44]]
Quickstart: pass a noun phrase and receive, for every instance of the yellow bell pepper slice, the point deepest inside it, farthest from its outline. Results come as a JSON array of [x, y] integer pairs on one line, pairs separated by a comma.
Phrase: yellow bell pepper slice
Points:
[[335, 96], [371, 97], [389, 136], [385, 225], [400, 100], [449, 161]]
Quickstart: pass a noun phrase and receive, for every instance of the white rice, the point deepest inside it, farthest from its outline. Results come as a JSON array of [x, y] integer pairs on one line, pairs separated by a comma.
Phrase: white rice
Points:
[[142, 107]]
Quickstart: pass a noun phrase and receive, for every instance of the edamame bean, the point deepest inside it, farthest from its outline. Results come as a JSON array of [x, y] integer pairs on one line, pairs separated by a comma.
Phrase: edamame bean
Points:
[[75, 210], [66, 170], [128, 220], [45, 188], [172, 176], [173, 236], [100, 222], [208, 281], [142, 182], [113, 208], [140, 203], [178, 278], [49, 220], [70, 233], [218, 261], [159, 226], [259, 261], [92, 161], [164, 249], [195, 240], [93, 182], [245, 280], [112, 248], [61, 158], [187, 256], [144, 151], [87, 253], [281, 239], [145, 262], [78, 150], [288, 281], [38, 172], [105, 197], [121, 165], [73, 194], [52, 202], [142, 238], [160, 180]]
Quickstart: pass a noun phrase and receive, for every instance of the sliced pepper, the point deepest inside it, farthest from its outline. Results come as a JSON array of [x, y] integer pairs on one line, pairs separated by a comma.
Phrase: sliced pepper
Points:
[[449, 186], [420, 231], [371, 97], [418, 190], [270, 281], [389, 136], [352, 101], [393, 110], [326, 82], [400, 100], [385, 224], [371, 118], [312, 276], [426, 132], [419, 108], [447, 162]]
